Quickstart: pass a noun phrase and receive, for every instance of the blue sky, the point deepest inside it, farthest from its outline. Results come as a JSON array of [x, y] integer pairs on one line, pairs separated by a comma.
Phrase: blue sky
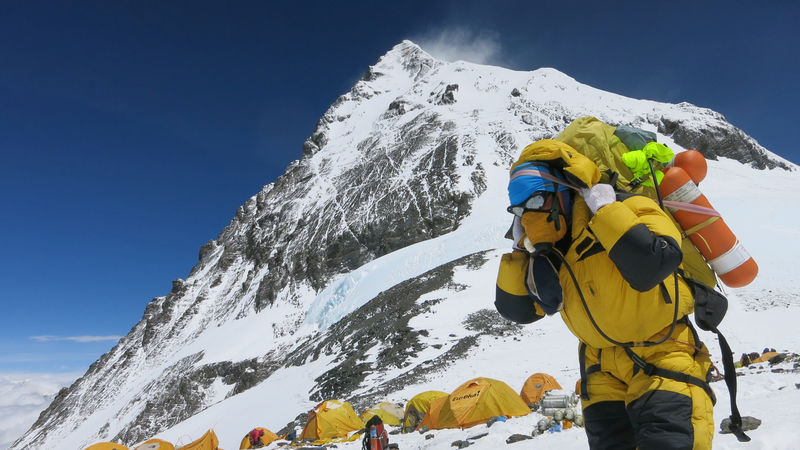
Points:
[[131, 131]]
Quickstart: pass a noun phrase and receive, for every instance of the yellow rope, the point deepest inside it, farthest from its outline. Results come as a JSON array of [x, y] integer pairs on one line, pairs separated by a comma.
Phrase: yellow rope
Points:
[[699, 227]]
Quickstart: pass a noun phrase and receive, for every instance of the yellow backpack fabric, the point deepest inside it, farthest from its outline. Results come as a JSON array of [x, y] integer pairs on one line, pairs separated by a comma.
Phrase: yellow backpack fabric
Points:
[[579, 170], [597, 141]]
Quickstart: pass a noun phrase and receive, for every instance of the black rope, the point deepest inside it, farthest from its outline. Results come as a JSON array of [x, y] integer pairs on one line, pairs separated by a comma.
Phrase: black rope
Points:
[[602, 333], [655, 182]]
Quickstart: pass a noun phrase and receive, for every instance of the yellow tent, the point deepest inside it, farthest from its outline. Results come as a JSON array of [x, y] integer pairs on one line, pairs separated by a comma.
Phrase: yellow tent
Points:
[[155, 444], [478, 400], [766, 356], [262, 437], [536, 385], [390, 413], [207, 441], [106, 446], [417, 407], [432, 416], [331, 419]]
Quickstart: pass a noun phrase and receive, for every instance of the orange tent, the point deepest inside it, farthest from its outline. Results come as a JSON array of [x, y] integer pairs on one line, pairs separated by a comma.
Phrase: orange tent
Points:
[[417, 407], [536, 385], [207, 441], [155, 444], [262, 435], [478, 400], [431, 418], [106, 446]]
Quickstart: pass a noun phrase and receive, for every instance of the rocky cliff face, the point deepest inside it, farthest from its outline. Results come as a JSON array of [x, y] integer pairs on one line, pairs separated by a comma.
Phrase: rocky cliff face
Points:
[[719, 139], [399, 160]]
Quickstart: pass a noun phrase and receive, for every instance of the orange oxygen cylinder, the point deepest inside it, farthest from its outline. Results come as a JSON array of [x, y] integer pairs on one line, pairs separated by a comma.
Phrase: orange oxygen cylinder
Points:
[[693, 162], [712, 237], [373, 439]]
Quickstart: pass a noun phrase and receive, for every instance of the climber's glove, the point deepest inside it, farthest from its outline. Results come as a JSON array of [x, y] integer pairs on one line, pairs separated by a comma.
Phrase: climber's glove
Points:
[[598, 196]]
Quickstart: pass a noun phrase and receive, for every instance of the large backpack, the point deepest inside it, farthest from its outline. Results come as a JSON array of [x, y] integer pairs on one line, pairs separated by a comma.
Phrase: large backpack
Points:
[[376, 422], [604, 145]]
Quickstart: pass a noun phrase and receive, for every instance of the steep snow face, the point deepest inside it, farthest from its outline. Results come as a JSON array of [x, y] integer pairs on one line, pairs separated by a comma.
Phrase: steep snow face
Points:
[[403, 175]]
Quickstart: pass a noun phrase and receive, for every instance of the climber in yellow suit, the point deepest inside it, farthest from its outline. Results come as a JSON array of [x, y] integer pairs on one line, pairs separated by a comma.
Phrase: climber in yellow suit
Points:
[[608, 264]]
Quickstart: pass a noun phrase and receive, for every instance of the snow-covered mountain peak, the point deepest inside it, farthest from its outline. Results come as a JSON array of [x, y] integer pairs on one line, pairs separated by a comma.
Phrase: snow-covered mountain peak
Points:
[[407, 56], [387, 228]]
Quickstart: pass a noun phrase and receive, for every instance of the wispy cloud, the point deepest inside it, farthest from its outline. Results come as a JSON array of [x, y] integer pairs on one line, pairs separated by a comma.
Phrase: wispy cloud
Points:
[[456, 43], [48, 338]]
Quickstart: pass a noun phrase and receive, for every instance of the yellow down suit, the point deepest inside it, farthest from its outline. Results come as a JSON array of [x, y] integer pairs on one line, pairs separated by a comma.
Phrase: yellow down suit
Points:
[[626, 244], [621, 288]]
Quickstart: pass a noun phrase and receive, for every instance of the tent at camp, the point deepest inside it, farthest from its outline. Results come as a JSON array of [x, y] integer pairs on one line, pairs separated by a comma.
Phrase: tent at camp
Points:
[[261, 436], [155, 444], [207, 441], [478, 400], [536, 385], [432, 416], [390, 413], [106, 446], [331, 419], [766, 356], [417, 407]]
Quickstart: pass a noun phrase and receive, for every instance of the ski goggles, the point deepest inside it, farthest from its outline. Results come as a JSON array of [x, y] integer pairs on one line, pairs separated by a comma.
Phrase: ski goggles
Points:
[[541, 201]]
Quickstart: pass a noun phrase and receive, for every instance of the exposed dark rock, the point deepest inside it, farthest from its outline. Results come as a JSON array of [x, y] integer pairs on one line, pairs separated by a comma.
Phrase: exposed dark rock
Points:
[[517, 438], [299, 421], [779, 358], [716, 141], [748, 423], [447, 97], [206, 250], [398, 107], [371, 74], [490, 322]]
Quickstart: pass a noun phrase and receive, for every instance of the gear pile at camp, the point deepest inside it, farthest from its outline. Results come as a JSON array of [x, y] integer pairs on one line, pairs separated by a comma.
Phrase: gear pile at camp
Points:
[[610, 230]]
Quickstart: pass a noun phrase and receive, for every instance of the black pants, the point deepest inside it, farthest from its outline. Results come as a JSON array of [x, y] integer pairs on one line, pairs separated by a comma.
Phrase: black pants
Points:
[[658, 420]]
